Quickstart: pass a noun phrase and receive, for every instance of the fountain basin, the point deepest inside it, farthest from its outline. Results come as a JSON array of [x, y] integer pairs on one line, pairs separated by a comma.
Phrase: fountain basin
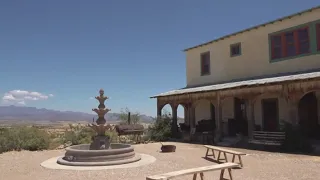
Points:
[[81, 155]]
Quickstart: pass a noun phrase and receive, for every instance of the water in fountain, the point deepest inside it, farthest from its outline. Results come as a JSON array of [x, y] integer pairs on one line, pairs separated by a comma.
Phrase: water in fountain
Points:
[[100, 152]]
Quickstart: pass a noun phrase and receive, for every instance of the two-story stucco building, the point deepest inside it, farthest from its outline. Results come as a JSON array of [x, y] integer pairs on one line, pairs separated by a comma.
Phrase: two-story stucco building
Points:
[[255, 79]]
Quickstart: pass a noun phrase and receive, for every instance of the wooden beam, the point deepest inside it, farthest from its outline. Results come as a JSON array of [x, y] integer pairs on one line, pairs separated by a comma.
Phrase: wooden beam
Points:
[[219, 122]]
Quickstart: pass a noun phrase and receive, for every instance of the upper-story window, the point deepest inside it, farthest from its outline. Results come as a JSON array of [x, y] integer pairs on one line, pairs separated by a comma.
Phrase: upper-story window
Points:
[[235, 49], [205, 63], [290, 43], [318, 35]]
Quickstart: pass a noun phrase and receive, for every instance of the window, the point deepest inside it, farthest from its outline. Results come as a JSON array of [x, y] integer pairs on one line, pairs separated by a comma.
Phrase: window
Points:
[[303, 41], [205, 63], [290, 43], [318, 36], [235, 49], [276, 47]]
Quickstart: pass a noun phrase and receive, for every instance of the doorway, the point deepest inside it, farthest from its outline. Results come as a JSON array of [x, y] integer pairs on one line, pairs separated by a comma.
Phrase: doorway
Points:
[[240, 116], [270, 114], [308, 115]]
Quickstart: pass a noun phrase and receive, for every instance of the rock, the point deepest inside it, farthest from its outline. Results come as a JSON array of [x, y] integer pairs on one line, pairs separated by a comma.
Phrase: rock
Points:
[[67, 144], [60, 147]]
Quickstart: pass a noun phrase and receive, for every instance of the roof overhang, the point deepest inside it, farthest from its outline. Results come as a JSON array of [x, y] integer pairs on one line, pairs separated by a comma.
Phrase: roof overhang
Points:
[[241, 84]]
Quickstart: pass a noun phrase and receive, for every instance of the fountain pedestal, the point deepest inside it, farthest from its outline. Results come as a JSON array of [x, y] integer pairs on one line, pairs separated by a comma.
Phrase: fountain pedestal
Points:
[[100, 142]]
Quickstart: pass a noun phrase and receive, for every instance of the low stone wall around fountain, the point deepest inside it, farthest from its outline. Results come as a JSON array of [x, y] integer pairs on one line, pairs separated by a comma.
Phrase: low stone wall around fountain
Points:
[[80, 155]]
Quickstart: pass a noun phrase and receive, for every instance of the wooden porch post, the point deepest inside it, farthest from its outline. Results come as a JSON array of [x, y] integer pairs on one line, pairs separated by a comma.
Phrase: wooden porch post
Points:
[[159, 108], [192, 119], [174, 125], [251, 120], [186, 115], [293, 102], [219, 122]]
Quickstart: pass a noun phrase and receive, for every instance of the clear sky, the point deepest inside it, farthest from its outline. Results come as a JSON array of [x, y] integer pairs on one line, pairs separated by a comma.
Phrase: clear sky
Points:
[[57, 54]]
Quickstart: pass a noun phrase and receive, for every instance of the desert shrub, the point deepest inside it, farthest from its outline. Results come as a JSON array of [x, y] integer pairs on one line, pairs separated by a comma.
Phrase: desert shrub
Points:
[[113, 135], [26, 138], [78, 134], [134, 117], [295, 140], [161, 129]]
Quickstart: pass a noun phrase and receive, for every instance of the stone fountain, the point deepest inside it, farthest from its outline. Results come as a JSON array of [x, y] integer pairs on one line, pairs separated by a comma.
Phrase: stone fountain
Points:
[[100, 152]]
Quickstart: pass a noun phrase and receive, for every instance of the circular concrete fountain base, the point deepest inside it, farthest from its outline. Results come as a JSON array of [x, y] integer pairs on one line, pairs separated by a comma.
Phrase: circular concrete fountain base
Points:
[[82, 155], [135, 158], [52, 164]]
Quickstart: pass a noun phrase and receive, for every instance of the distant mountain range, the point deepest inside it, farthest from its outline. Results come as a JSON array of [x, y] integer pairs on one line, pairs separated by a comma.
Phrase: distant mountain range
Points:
[[34, 114]]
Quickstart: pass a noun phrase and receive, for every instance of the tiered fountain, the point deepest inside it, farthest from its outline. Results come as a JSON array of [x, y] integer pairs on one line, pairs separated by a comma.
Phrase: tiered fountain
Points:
[[100, 152]]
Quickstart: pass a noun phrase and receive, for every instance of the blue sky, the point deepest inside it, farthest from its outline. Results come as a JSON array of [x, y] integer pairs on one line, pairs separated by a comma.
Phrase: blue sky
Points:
[[64, 51]]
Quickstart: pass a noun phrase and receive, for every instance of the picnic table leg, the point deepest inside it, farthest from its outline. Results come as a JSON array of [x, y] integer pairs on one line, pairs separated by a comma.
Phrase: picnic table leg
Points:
[[207, 152], [233, 157], [225, 157], [230, 174], [221, 174], [195, 176], [213, 153], [201, 176], [240, 160], [219, 155]]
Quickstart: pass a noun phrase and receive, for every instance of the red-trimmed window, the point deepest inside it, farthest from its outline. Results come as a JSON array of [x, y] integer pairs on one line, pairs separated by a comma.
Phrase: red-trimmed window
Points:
[[276, 46], [318, 36], [303, 44], [205, 63], [290, 43]]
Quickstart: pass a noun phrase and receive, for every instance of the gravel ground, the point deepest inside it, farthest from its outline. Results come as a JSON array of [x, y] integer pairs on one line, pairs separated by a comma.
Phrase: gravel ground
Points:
[[258, 165]]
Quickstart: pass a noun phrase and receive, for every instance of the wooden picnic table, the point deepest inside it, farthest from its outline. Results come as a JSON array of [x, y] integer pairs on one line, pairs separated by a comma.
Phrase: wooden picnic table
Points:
[[224, 151], [196, 171]]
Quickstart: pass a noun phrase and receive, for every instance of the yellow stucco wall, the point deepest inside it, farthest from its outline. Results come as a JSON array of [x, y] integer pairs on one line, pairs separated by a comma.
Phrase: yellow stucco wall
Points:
[[202, 110], [227, 109], [254, 61], [227, 113]]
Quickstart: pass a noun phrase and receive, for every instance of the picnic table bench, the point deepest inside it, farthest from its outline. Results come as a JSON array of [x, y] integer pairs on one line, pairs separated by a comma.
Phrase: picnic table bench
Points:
[[267, 138], [196, 171], [224, 152]]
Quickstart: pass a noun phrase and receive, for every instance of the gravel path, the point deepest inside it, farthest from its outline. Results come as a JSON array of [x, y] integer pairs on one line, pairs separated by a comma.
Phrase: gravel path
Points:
[[258, 165]]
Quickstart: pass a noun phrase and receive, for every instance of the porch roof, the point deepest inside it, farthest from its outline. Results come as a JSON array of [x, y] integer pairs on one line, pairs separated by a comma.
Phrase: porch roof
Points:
[[243, 83]]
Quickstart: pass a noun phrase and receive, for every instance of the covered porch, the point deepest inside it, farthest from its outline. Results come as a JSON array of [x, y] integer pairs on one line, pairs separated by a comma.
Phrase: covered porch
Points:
[[251, 105]]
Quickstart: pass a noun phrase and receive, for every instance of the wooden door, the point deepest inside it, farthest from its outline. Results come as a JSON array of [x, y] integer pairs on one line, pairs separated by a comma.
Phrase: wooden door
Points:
[[270, 114]]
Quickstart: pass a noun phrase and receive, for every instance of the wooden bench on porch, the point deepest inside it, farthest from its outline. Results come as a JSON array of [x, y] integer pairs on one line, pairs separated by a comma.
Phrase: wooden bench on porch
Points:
[[267, 138], [196, 171], [225, 152]]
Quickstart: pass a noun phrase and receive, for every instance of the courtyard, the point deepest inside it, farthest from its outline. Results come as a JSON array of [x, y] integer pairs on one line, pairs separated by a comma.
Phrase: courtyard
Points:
[[257, 165]]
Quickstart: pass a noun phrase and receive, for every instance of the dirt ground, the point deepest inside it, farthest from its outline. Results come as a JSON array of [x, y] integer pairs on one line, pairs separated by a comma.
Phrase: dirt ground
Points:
[[258, 165]]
